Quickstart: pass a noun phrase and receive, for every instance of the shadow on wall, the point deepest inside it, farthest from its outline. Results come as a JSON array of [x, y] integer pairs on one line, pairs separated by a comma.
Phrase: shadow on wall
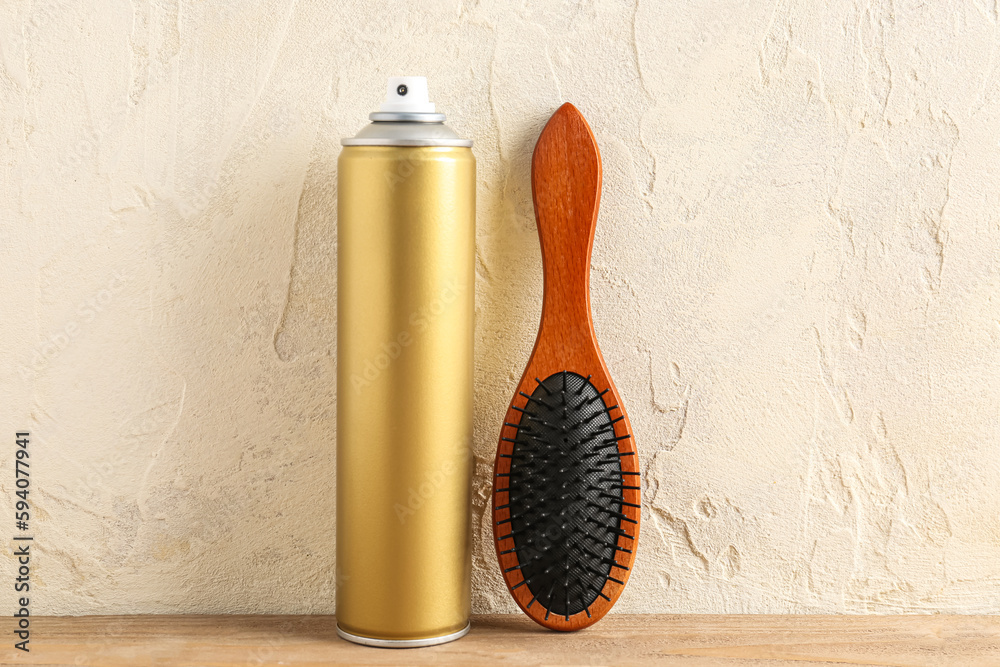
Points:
[[243, 489], [508, 272]]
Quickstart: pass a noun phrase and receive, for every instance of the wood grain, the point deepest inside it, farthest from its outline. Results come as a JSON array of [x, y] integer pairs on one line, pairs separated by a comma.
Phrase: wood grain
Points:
[[702, 641], [566, 187]]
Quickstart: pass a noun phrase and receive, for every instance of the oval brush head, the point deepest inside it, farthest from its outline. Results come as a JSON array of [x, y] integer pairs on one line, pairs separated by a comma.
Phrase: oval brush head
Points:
[[566, 495], [565, 486]]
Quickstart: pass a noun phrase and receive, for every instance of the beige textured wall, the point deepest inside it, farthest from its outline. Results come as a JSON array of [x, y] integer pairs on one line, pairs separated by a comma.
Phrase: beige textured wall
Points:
[[795, 280]]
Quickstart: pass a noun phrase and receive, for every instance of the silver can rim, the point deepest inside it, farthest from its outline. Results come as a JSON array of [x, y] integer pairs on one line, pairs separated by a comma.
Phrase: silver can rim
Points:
[[373, 141], [405, 117], [403, 643]]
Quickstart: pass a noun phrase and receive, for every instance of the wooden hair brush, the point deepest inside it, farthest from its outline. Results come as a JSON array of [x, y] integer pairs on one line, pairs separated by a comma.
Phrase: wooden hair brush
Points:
[[566, 494]]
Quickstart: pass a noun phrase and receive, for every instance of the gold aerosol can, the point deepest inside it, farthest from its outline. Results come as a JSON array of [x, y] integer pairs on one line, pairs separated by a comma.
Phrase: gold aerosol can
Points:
[[405, 310]]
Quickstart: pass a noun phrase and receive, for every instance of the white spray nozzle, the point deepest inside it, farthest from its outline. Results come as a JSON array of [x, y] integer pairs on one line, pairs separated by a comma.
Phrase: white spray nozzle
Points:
[[407, 94]]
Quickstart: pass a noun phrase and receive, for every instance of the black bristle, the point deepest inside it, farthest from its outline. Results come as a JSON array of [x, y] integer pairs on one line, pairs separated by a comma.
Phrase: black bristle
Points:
[[592, 399], [565, 493]]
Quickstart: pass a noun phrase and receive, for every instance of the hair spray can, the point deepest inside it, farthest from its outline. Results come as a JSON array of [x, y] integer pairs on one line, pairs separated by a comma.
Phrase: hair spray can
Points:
[[405, 309]]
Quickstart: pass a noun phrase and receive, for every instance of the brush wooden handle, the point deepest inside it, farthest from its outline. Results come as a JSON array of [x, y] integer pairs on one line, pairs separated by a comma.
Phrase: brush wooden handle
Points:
[[566, 188]]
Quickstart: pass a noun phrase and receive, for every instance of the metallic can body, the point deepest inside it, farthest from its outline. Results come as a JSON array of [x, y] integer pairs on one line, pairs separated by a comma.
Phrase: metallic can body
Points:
[[405, 317]]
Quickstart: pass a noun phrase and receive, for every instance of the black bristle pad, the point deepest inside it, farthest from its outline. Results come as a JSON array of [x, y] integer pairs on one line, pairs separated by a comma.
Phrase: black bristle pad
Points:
[[565, 493]]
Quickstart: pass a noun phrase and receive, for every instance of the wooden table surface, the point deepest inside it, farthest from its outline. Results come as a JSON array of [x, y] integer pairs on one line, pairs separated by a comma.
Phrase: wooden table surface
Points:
[[110, 641]]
